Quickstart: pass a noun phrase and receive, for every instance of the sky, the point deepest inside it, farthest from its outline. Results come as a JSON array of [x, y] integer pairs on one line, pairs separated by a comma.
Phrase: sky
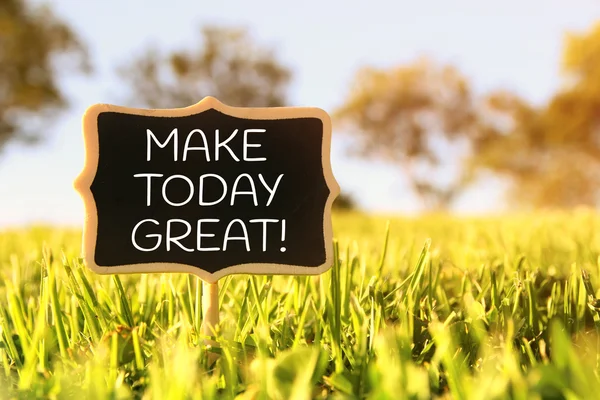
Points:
[[511, 44]]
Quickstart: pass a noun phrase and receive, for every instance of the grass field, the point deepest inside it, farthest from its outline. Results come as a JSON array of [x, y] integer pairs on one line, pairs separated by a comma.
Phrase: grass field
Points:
[[442, 307]]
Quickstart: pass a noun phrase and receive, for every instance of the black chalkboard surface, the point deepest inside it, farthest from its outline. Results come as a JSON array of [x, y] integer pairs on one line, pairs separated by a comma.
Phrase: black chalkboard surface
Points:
[[208, 189]]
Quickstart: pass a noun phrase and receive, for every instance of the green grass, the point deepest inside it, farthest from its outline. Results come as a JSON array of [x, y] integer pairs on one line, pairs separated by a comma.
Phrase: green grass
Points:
[[440, 307]]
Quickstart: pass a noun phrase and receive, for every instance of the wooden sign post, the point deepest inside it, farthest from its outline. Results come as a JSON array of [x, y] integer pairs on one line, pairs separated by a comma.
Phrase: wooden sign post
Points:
[[208, 189]]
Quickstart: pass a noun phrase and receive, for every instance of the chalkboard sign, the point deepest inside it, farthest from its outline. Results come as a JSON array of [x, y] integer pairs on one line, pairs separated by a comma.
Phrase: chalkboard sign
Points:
[[207, 189]]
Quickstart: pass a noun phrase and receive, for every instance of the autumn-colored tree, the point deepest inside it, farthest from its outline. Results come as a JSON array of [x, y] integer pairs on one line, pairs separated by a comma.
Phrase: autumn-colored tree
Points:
[[550, 154], [401, 116], [227, 64], [35, 47]]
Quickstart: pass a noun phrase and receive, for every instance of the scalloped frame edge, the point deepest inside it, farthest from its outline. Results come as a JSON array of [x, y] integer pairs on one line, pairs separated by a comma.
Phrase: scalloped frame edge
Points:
[[83, 182]]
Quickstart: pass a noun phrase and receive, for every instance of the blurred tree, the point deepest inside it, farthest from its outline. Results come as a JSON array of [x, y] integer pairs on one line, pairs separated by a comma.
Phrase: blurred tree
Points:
[[226, 65], [31, 39], [344, 202], [550, 154], [402, 115]]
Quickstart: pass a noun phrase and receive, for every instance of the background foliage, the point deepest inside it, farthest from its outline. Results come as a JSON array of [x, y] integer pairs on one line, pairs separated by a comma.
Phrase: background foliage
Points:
[[34, 45], [423, 116]]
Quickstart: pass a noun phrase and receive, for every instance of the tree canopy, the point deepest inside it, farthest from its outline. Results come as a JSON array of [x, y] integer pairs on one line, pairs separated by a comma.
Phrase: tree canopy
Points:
[[549, 154], [35, 46], [227, 64], [401, 115]]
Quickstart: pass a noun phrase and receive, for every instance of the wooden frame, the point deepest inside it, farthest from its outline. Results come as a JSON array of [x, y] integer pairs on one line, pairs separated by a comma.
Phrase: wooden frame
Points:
[[84, 181]]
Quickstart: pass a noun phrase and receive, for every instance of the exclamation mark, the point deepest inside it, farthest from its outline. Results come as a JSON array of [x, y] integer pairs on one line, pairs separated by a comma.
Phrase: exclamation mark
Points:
[[282, 249]]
